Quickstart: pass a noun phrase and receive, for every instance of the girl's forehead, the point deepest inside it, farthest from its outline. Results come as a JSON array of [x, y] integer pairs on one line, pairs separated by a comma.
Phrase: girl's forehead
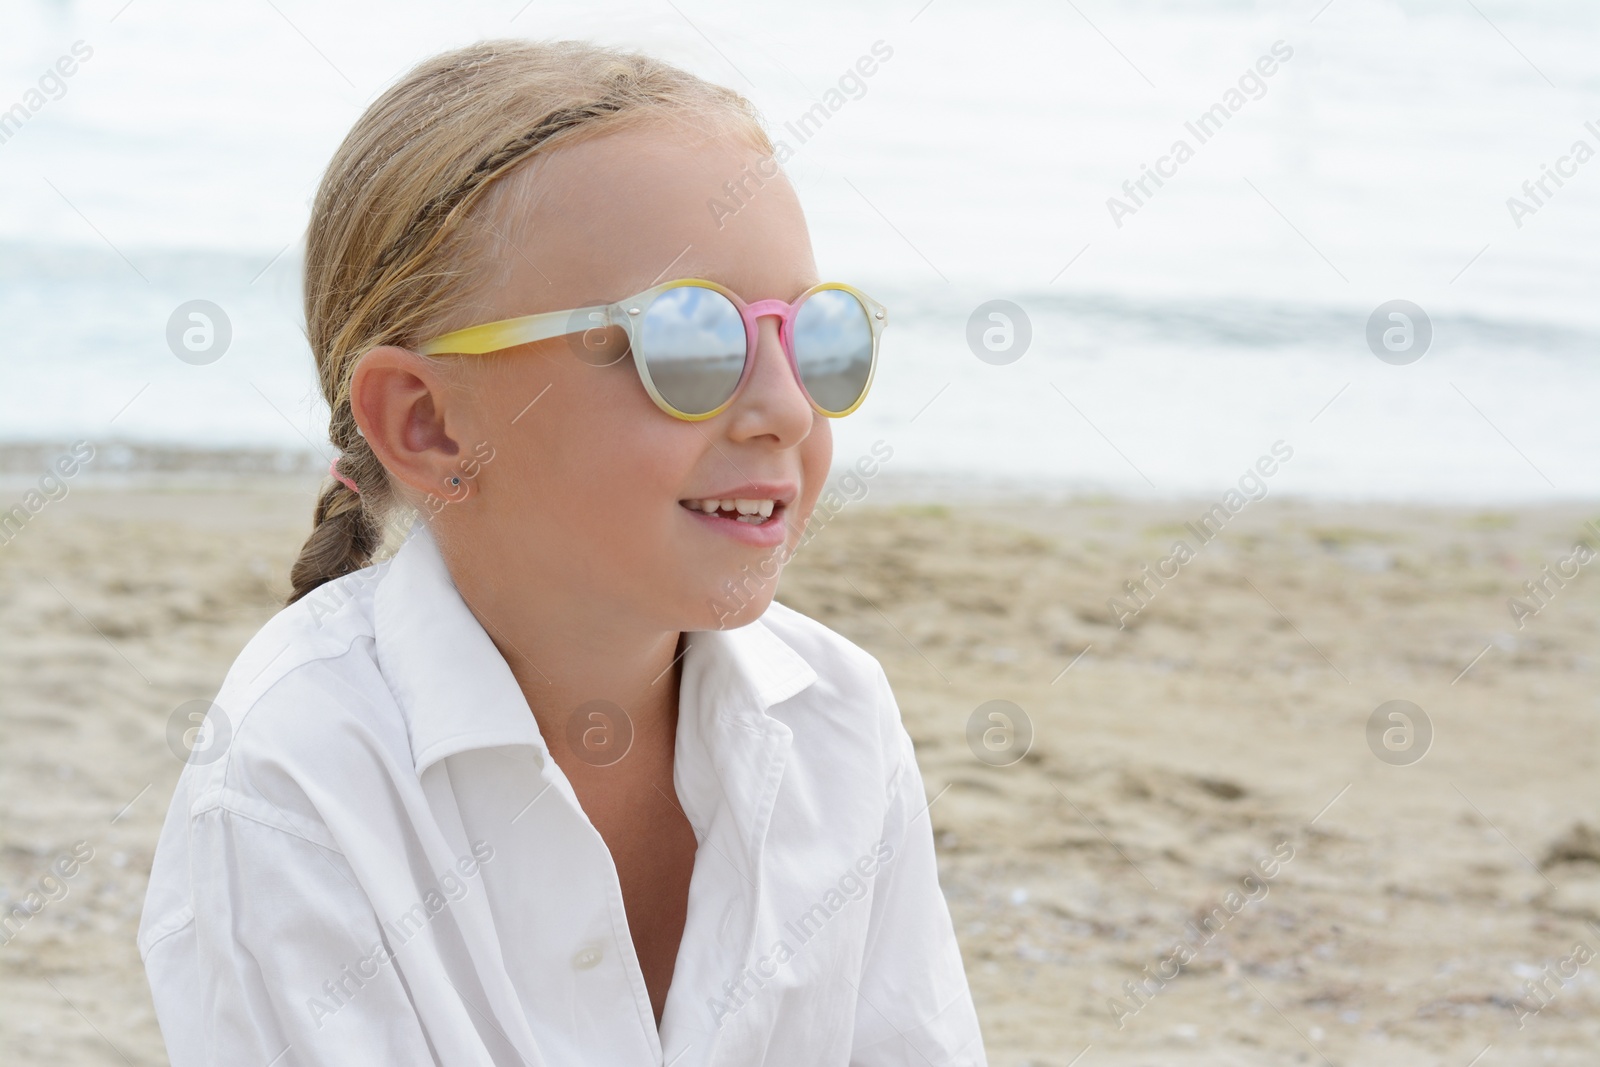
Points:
[[631, 209], [653, 158]]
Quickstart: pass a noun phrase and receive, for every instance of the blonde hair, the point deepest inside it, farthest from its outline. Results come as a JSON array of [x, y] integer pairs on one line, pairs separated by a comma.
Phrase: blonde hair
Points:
[[396, 242]]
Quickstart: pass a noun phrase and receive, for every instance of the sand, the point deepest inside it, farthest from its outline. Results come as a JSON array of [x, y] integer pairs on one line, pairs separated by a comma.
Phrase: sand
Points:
[[1220, 736]]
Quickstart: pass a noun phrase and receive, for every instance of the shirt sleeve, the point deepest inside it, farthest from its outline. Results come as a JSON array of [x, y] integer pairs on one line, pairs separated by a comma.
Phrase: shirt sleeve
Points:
[[284, 961], [914, 1007]]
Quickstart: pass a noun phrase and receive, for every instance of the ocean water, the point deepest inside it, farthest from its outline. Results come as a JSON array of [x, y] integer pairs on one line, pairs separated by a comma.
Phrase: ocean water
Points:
[[1356, 153]]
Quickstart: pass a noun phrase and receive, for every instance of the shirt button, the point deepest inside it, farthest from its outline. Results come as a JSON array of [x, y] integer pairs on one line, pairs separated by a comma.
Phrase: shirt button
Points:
[[587, 958]]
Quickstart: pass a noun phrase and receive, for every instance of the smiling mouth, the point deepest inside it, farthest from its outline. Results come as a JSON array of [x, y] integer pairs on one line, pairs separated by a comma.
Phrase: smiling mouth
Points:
[[749, 512]]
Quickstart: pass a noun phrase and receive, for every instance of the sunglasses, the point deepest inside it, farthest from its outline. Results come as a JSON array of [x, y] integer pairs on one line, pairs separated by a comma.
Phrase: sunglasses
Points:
[[694, 342]]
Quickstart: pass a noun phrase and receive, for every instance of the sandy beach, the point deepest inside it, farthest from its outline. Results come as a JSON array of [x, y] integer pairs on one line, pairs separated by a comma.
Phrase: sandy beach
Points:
[[1202, 854]]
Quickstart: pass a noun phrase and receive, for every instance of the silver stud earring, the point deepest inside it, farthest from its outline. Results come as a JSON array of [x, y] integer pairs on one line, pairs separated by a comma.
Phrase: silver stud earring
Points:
[[455, 481]]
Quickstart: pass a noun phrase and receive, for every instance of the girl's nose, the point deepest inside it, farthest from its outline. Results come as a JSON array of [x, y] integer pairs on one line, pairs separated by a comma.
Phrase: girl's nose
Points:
[[772, 403]]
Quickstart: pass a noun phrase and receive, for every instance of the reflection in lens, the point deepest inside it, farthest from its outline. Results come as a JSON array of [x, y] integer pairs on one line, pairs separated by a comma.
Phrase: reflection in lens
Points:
[[833, 348], [693, 342]]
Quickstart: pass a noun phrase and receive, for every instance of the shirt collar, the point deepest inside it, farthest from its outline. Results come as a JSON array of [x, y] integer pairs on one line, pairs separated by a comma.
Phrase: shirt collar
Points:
[[457, 692]]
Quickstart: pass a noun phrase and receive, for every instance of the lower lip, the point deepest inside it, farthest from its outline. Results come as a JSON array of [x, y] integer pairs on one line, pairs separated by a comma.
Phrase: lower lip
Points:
[[769, 534]]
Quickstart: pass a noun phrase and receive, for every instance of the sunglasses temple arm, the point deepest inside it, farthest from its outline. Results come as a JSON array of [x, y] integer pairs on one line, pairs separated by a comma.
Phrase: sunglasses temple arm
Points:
[[508, 333]]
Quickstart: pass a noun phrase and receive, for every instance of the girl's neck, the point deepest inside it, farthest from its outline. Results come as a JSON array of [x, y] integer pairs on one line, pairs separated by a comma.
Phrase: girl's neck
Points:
[[567, 659], [573, 684]]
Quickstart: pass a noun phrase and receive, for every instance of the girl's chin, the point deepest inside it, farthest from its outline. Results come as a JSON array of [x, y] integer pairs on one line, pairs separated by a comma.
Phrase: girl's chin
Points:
[[734, 604]]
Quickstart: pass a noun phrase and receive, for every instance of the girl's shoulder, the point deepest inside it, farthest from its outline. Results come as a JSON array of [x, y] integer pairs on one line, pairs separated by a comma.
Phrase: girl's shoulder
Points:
[[303, 700], [301, 733]]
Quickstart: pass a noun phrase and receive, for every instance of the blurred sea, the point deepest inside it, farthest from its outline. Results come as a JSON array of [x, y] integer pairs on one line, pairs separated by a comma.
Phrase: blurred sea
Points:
[[1227, 312]]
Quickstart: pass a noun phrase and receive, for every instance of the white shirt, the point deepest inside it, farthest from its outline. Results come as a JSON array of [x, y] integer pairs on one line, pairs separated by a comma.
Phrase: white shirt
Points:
[[376, 861]]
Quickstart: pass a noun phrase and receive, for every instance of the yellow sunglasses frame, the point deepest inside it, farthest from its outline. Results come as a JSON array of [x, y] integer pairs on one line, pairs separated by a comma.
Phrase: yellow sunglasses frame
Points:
[[527, 329]]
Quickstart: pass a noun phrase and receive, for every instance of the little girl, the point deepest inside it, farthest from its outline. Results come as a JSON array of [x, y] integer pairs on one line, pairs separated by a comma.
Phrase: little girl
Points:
[[557, 782]]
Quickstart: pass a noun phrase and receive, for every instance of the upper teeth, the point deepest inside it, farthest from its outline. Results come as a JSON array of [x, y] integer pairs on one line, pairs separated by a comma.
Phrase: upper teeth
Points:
[[743, 507]]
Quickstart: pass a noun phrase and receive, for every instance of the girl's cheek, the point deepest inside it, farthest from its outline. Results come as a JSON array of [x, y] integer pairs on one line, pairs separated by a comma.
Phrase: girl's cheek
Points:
[[816, 456], [669, 450]]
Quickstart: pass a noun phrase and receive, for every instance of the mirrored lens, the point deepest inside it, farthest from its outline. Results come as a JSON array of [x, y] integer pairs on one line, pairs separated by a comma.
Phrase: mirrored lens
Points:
[[833, 348], [693, 344]]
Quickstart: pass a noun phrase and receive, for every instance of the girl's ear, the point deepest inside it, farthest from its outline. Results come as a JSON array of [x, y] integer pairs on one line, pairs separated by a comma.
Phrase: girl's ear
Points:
[[407, 411]]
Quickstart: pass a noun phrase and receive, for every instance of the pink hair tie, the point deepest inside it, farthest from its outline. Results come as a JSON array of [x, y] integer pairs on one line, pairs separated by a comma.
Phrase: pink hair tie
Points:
[[333, 469]]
